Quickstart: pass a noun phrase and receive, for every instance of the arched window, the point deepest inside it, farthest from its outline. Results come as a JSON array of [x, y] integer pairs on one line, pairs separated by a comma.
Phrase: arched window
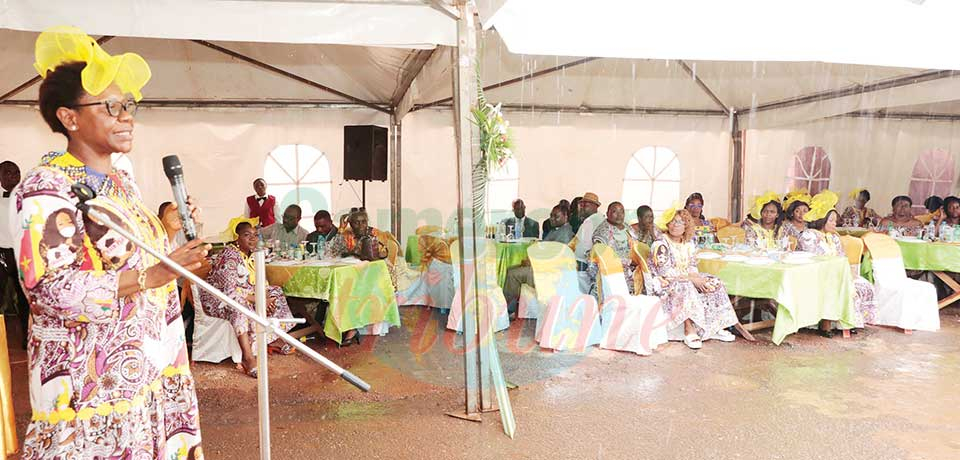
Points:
[[503, 187], [652, 178], [299, 174], [932, 175], [809, 169]]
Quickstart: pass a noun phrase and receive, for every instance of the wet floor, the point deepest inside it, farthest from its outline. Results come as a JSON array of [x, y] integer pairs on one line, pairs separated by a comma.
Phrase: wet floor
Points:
[[879, 395]]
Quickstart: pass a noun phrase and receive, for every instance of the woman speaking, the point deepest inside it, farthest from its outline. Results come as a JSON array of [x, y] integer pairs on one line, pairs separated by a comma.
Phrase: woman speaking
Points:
[[109, 374]]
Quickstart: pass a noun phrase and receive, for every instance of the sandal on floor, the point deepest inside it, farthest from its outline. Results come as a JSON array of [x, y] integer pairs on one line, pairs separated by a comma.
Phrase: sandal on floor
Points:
[[252, 372], [284, 349], [693, 341], [724, 335]]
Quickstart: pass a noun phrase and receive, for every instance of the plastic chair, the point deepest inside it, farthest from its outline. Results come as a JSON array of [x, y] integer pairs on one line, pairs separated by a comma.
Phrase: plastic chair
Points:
[[434, 286], [901, 302], [627, 322], [853, 248], [570, 320], [493, 296]]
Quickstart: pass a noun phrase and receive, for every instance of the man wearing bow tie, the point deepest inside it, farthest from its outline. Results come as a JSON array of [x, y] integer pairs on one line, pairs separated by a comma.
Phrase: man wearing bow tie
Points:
[[262, 205]]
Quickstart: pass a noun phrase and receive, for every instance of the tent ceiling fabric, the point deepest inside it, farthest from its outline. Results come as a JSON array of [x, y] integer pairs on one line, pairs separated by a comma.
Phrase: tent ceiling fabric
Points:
[[898, 33], [389, 23]]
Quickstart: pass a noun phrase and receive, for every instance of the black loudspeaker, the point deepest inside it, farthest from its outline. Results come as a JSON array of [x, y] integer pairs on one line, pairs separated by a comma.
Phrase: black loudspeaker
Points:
[[364, 153]]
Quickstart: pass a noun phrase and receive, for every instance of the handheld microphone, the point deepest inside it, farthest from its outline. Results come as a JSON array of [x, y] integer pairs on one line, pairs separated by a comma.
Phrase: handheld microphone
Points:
[[174, 171]]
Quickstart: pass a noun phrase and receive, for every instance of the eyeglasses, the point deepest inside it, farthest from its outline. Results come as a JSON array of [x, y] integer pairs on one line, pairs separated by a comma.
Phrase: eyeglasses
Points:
[[113, 106]]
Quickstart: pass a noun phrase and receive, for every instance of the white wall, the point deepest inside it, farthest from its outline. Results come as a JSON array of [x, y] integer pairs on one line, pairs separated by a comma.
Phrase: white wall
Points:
[[877, 154], [222, 151]]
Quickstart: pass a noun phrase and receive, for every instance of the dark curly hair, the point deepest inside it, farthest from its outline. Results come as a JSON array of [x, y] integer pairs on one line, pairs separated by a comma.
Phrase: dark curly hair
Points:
[[61, 88]]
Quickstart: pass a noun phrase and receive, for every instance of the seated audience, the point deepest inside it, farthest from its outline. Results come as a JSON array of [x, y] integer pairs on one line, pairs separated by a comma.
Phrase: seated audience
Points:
[[362, 241], [547, 225], [325, 230], [761, 225], [288, 233], [696, 301], [575, 220], [901, 218], [528, 227], [934, 205], [234, 274], [589, 220], [859, 215], [560, 229], [951, 214], [645, 231], [523, 274], [821, 238], [797, 204], [612, 232]]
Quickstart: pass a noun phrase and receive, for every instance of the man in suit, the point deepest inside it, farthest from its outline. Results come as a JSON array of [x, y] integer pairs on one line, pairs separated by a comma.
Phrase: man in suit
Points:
[[530, 227]]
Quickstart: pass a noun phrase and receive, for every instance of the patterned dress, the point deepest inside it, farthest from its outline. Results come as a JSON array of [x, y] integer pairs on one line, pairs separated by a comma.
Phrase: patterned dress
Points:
[[828, 244], [759, 237], [109, 376], [853, 217], [788, 230], [234, 273], [621, 241], [710, 312]]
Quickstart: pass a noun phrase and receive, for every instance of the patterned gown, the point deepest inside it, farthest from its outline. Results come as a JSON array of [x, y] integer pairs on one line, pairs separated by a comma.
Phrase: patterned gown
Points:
[[759, 237], [709, 311], [621, 241], [109, 376], [788, 230], [853, 217], [828, 244], [234, 273]]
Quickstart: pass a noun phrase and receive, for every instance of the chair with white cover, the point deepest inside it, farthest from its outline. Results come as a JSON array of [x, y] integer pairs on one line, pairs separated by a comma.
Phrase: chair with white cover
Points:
[[213, 338], [492, 298], [569, 319], [627, 322], [435, 285], [529, 306], [901, 302]]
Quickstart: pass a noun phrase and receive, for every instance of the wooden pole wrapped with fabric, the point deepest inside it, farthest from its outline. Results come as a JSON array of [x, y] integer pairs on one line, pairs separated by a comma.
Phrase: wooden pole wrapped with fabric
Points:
[[395, 174], [737, 137]]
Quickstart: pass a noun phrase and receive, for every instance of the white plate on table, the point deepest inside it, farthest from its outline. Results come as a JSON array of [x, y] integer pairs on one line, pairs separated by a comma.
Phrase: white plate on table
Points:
[[708, 255], [735, 258], [758, 261]]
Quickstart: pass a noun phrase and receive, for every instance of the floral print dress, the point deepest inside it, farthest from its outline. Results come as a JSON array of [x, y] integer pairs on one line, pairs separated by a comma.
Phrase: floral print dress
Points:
[[621, 241], [233, 273], [109, 376], [759, 237], [670, 263], [828, 244]]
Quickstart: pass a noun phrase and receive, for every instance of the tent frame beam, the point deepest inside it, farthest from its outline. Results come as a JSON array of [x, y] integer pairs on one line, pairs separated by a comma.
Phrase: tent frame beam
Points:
[[415, 62], [27, 84], [290, 75], [512, 81], [706, 89], [444, 8], [605, 110]]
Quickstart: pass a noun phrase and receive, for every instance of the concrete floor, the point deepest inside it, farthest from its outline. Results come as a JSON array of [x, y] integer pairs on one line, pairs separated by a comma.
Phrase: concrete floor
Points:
[[879, 395]]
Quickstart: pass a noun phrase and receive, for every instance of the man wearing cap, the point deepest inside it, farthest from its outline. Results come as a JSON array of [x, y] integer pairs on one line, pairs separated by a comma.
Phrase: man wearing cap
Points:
[[589, 205]]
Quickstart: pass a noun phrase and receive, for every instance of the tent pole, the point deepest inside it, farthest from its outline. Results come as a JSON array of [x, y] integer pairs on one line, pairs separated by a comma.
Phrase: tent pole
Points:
[[396, 129], [737, 138], [468, 153]]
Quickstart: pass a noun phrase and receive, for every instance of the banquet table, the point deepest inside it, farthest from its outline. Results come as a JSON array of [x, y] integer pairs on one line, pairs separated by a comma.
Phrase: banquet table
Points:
[[805, 293], [510, 254], [853, 231], [360, 294], [937, 258]]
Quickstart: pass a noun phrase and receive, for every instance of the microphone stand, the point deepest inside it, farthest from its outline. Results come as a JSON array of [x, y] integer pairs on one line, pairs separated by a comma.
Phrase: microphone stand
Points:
[[272, 325]]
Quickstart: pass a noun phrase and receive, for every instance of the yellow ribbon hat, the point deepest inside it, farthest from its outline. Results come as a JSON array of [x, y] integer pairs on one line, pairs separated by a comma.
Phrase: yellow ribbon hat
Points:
[[230, 233], [797, 195], [667, 216], [762, 201], [855, 193], [821, 205], [62, 44]]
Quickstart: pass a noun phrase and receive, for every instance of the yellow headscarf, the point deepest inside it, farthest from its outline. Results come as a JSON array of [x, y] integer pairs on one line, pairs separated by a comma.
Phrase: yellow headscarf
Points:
[[230, 233], [63, 44], [762, 201], [855, 193], [667, 216], [801, 195], [821, 205]]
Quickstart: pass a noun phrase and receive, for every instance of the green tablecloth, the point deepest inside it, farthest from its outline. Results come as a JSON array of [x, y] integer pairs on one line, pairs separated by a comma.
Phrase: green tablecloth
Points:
[[805, 294], [359, 294], [510, 255], [412, 251], [937, 257]]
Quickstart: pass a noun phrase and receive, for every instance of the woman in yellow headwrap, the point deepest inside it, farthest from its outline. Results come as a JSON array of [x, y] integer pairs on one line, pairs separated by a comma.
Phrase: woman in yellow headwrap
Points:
[[822, 239], [692, 300], [796, 204], [110, 376], [761, 225], [859, 215]]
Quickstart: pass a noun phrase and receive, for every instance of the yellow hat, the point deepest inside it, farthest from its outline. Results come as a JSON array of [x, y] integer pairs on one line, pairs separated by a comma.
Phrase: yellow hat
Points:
[[796, 195], [667, 216], [821, 205], [762, 201], [63, 44], [855, 193], [230, 233]]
